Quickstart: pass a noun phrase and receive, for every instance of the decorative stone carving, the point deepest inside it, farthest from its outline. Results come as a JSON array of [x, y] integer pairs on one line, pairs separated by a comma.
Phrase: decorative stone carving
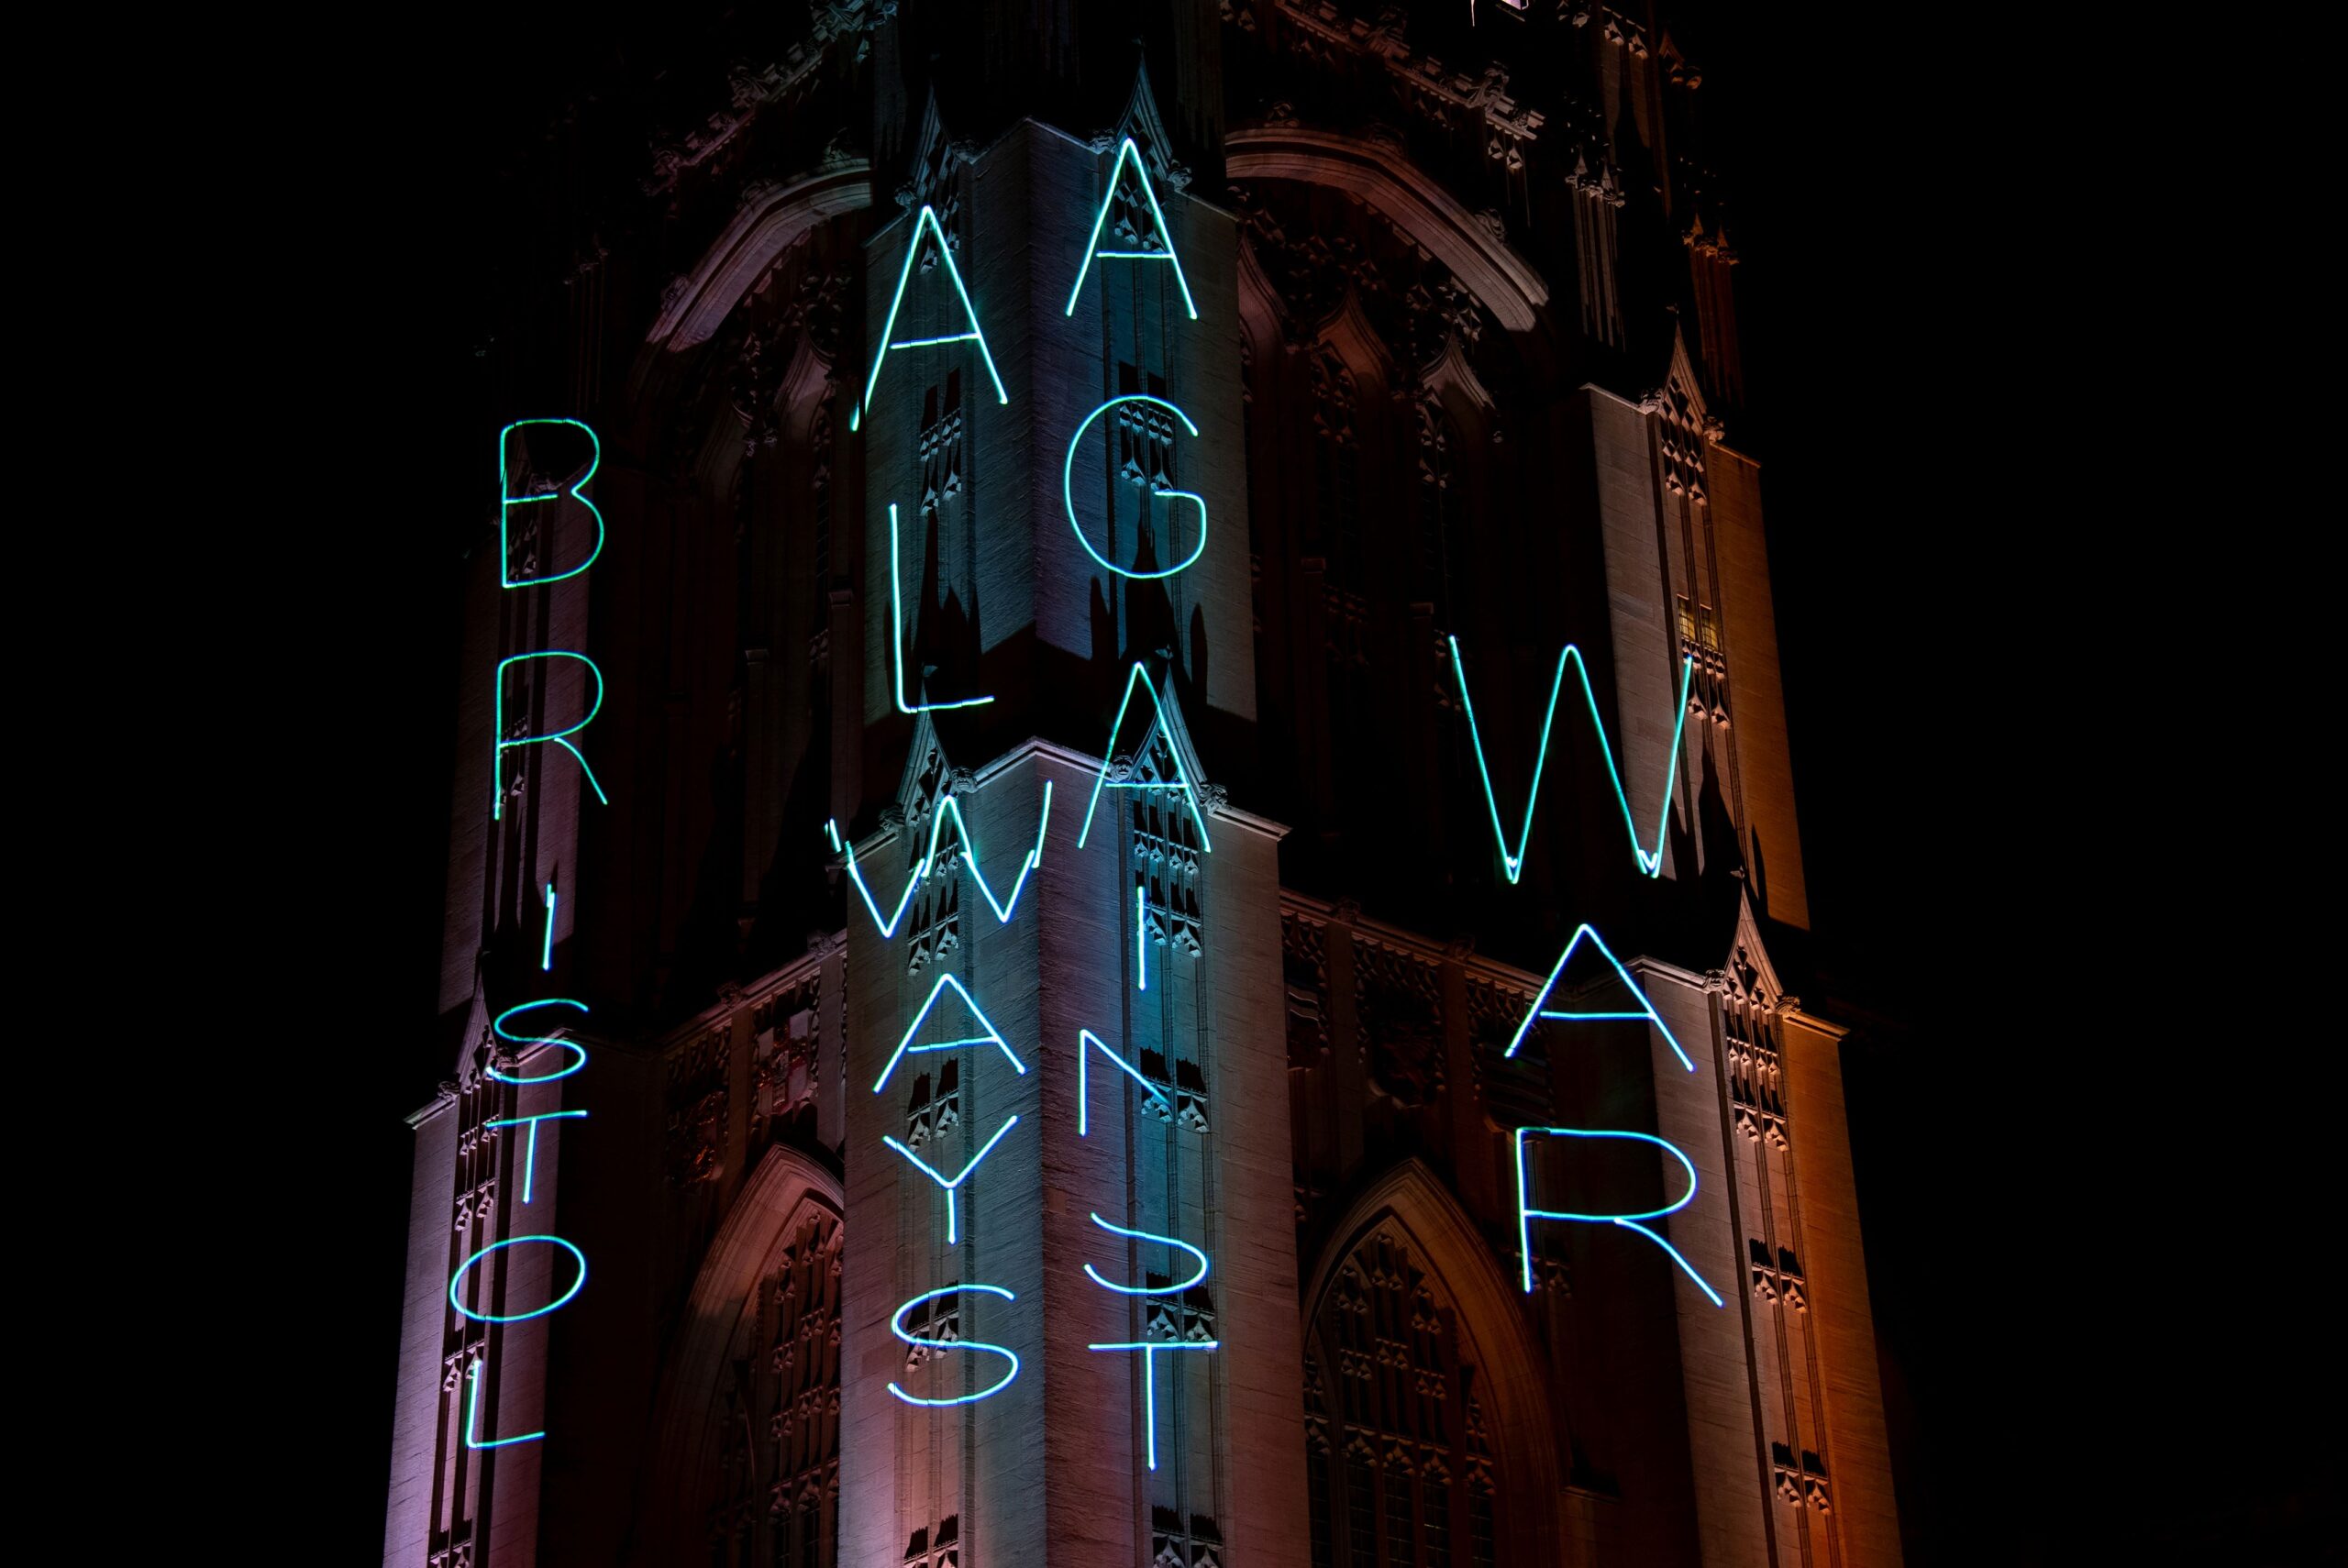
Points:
[[1398, 1006], [1779, 1282], [696, 1092], [1800, 1480], [1304, 961]]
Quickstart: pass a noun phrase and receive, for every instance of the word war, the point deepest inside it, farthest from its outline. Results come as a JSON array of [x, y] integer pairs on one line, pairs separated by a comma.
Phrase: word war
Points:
[[1541, 1011], [1650, 861]]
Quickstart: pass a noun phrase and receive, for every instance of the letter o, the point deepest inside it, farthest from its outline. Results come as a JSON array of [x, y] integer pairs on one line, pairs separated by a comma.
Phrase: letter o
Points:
[[459, 1278]]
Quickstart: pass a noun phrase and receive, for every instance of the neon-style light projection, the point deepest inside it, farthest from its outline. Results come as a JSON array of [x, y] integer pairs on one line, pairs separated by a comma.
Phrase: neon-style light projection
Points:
[[1647, 1007], [904, 899], [555, 737], [530, 1158], [1148, 1289], [897, 635], [897, 1326], [927, 219], [952, 1235], [472, 1413], [1140, 677], [546, 959], [1525, 1214], [508, 500], [1165, 234], [905, 1046], [1067, 492], [1141, 937], [1004, 907], [1086, 1043], [1149, 1349], [1650, 860], [497, 1026], [459, 1278]]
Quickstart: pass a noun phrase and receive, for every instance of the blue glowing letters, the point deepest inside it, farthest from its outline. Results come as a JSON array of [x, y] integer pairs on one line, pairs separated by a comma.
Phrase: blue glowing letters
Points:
[[1526, 1213], [1105, 1284], [897, 633], [1150, 1349], [1140, 677], [472, 1413], [897, 1326], [1512, 861], [992, 1036], [1004, 907], [554, 737], [1068, 493], [1086, 1043], [458, 1279], [579, 1052], [507, 738], [1165, 234], [1647, 1007], [508, 500], [950, 1186], [925, 221], [530, 1159]]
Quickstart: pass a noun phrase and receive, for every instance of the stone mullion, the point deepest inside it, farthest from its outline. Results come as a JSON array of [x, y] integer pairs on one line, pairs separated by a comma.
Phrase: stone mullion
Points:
[[1809, 1356], [1719, 1007]]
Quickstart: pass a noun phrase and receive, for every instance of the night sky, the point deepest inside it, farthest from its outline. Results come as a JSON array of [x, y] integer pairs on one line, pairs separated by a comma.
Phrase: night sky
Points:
[[2102, 1325]]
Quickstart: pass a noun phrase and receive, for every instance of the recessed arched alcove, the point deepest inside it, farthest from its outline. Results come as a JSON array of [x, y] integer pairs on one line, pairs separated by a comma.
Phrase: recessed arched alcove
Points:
[[1426, 1412], [747, 1422]]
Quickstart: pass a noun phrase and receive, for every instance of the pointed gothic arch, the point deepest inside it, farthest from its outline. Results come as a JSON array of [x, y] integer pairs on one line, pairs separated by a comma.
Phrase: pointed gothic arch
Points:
[[1507, 284], [770, 220], [766, 1302], [1407, 1259]]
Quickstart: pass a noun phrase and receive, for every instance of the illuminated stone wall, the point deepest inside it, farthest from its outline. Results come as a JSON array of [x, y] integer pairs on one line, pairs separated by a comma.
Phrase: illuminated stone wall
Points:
[[1461, 390]]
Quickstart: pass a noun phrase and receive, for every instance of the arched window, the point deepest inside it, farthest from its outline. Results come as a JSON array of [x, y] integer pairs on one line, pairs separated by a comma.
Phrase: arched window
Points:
[[748, 1424], [1398, 1464]]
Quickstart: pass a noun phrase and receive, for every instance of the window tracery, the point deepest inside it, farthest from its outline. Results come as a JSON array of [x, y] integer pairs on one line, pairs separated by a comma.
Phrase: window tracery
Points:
[[1175, 1542], [780, 1408], [940, 443], [940, 1548], [1166, 852], [1401, 1469], [1683, 430]]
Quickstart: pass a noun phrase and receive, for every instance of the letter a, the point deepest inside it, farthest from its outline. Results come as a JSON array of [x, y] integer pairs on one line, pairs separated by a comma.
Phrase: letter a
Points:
[[1140, 677], [926, 221], [1165, 234]]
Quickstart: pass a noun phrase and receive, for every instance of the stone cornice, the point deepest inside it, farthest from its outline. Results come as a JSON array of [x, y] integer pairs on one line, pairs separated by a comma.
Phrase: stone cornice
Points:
[[1503, 282], [769, 221]]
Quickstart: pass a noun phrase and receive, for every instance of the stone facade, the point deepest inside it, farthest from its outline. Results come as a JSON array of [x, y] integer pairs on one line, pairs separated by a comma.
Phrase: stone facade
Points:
[[1442, 380]]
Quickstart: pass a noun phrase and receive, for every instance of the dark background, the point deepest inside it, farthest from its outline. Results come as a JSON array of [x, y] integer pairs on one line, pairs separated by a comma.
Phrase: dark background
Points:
[[2103, 1333]]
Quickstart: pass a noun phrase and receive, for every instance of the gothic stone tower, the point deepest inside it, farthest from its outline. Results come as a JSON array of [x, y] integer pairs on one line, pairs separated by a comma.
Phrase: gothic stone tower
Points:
[[1062, 471]]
